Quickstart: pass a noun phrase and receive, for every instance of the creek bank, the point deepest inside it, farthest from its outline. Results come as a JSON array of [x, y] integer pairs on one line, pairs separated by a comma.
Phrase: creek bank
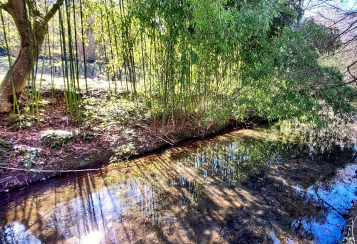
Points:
[[350, 230], [100, 152]]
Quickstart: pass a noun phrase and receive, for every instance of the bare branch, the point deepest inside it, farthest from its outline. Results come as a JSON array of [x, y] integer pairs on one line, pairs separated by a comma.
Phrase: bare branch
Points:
[[349, 71], [350, 41], [53, 10], [339, 85], [323, 16], [340, 20], [349, 28], [337, 8]]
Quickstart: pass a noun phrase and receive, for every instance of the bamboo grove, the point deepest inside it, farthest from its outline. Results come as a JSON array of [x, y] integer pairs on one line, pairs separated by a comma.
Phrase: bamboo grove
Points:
[[184, 59]]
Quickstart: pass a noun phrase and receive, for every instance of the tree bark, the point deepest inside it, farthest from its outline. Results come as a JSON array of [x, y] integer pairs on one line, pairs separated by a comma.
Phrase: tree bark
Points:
[[31, 43]]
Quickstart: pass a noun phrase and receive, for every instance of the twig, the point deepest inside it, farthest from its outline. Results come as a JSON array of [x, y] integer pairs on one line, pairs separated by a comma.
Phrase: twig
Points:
[[51, 171], [329, 205], [353, 236], [160, 138]]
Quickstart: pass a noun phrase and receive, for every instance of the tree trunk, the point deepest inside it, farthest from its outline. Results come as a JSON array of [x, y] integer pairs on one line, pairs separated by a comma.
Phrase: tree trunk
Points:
[[31, 43], [19, 73]]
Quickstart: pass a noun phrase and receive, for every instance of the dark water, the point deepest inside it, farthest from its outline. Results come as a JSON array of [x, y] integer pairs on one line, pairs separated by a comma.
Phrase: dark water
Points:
[[248, 186]]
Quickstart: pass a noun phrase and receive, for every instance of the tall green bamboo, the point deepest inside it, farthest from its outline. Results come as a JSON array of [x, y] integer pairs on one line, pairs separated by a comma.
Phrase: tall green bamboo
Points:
[[83, 46], [65, 66]]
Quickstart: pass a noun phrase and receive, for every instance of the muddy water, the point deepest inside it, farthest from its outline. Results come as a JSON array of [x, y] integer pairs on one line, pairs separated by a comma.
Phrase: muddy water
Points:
[[249, 186]]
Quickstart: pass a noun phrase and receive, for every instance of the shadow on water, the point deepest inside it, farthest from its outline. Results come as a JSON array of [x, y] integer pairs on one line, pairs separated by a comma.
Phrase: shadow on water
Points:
[[242, 187]]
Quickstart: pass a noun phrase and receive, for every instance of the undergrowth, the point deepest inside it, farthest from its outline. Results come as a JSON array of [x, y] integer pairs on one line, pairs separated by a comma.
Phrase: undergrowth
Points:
[[59, 139], [5, 151]]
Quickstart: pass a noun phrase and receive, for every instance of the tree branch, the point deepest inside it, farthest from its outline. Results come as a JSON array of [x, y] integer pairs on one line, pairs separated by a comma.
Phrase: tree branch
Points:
[[349, 71], [33, 8], [5, 6], [339, 85], [53, 10]]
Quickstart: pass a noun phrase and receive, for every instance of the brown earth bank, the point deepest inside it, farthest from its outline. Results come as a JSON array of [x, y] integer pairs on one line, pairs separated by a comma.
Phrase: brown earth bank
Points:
[[32, 151]]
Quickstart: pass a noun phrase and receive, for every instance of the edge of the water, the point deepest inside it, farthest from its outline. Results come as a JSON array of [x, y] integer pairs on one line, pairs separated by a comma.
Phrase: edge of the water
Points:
[[13, 180]]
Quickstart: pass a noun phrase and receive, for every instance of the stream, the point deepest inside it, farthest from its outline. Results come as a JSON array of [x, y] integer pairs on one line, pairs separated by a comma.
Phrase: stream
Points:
[[244, 186]]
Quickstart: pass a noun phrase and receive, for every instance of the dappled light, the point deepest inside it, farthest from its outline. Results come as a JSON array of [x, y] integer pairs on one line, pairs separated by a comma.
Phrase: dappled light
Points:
[[166, 121], [240, 187]]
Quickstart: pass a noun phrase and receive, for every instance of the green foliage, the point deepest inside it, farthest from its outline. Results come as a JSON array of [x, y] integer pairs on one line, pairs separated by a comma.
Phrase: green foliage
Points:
[[17, 122], [224, 58], [12, 119], [58, 139], [5, 146], [29, 158], [116, 115], [111, 113], [88, 136], [211, 59]]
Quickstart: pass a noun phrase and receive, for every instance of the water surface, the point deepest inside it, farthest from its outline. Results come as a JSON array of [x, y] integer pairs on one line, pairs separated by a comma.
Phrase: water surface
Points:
[[248, 186]]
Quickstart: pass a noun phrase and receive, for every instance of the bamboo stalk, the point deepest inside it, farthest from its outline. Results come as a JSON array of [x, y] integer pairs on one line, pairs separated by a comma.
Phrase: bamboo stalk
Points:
[[16, 105], [83, 46]]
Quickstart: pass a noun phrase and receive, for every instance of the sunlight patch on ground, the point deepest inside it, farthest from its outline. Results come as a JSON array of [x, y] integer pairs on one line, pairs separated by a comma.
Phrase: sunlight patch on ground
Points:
[[92, 238], [60, 133]]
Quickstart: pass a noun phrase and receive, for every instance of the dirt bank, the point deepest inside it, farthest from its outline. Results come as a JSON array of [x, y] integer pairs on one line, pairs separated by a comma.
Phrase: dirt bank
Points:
[[32, 152]]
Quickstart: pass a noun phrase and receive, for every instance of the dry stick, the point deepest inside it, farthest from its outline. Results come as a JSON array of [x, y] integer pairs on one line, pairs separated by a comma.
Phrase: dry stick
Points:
[[329, 205], [353, 236], [52, 171], [160, 138]]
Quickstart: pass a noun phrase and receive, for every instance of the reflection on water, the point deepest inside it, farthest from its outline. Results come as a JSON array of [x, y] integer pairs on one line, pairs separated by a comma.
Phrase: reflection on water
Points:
[[338, 195], [246, 186], [17, 233]]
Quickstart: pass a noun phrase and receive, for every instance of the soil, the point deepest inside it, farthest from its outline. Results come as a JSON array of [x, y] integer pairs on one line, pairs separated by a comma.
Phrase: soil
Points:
[[30, 158]]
